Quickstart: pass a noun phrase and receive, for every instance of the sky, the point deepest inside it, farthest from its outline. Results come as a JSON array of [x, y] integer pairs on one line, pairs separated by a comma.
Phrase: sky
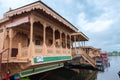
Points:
[[98, 19]]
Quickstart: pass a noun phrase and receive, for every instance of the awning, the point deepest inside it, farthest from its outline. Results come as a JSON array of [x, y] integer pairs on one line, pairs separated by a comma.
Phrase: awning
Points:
[[18, 22], [3, 20], [80, 36]]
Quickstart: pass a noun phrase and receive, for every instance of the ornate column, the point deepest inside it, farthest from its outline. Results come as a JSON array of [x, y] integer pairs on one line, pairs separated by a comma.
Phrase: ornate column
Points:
[[31, 46], [44, 38], [31, 29], [70, 46], [11, 38], [66, 40], [60, 39], [75, 43], [44, 34], [53, 36]]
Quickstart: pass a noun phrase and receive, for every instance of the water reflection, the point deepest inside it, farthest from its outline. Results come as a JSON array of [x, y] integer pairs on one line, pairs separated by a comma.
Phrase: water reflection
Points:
[[85, 75], [92, 76], [67, 74], [109, 73]]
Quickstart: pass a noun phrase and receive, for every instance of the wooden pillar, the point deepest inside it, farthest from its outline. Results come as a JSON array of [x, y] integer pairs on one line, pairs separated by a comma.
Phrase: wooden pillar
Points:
[[31, 29], [60, 39], [31, 48], [19, 51], [10, 46], [75, 43], [44, 39], [70, 42], [44, 34], [66, 40], [54, 37], [70, 45]]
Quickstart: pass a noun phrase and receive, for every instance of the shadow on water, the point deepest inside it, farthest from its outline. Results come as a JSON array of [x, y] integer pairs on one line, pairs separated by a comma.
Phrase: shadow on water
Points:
[[66, 74]]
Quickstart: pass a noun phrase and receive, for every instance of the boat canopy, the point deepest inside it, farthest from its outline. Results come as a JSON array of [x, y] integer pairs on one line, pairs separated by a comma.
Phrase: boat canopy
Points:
[[80, 36]]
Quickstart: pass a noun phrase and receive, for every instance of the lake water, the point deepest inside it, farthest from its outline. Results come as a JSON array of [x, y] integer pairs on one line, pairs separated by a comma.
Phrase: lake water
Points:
[[109, 73]]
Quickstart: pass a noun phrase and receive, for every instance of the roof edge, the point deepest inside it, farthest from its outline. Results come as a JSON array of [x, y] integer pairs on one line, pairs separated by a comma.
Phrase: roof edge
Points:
[[15, 11]]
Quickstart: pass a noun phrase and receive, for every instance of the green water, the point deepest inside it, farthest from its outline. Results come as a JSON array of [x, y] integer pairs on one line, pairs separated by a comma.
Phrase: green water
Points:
[[109, 73]]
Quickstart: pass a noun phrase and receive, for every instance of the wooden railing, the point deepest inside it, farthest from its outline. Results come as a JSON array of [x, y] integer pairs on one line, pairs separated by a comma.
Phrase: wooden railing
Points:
[[37, 50], [84, 55], [51, 51], [22, 52], [4, 55], [87, 58], [64, 51], [58, 50]]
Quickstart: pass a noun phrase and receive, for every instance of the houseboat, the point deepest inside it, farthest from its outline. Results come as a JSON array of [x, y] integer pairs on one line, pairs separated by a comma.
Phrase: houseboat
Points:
[[85, 55], [105, 59], [34, 39]]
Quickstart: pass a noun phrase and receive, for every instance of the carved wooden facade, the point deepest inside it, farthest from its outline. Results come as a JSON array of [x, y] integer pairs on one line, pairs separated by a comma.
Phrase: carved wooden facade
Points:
[[37, 38]]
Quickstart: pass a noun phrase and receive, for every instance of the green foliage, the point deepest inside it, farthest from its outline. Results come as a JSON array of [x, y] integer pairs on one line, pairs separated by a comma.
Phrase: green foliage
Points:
[[26, 78], [115, 53]]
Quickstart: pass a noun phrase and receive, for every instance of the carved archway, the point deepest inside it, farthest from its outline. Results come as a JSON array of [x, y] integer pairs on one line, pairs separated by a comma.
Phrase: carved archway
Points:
[[63, 40], [57, 39], [49, 36], [38, 33], [68, 41]]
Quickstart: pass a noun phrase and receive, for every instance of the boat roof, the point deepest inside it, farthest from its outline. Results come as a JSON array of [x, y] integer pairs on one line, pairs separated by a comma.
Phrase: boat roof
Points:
[[90, 47], [38, 5], [80, 36]]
